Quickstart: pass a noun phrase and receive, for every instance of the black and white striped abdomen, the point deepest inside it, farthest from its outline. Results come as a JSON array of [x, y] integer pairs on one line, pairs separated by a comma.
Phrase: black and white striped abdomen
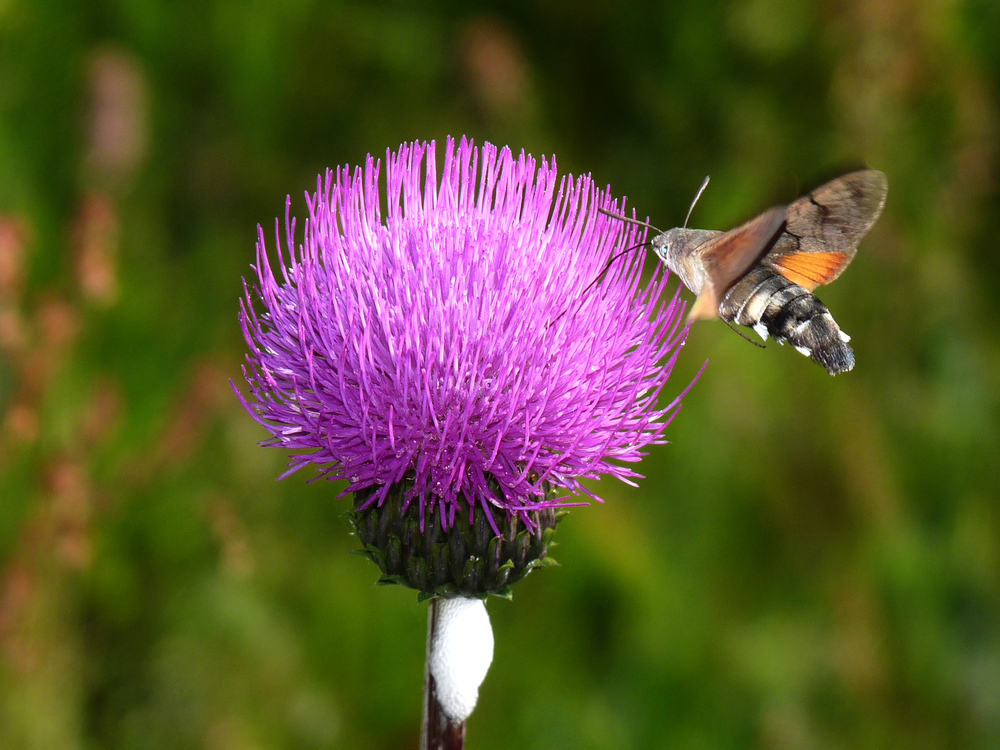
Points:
[[774, 306]]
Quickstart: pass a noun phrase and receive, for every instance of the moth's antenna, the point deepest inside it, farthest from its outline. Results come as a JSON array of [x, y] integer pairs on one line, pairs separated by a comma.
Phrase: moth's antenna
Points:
[[631, 221], [743, 335], [695, 201]]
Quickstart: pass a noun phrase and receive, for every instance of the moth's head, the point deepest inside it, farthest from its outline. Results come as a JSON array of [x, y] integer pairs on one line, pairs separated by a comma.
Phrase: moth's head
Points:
[[668, 244], [679, 250]]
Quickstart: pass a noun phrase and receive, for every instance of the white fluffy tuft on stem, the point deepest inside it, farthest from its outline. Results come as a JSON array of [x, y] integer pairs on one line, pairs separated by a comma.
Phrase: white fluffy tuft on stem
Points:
[[461, 653]]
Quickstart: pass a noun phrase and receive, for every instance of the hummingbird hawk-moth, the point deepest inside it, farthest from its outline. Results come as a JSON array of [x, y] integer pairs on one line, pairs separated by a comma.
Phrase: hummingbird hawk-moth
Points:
[[762, 274]]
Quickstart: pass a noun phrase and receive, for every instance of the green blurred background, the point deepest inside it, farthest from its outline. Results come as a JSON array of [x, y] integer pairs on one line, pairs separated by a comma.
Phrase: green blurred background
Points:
[[811, 562]]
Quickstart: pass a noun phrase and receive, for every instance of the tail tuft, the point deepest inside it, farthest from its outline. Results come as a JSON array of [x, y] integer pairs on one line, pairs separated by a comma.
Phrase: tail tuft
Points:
[[821, 339]]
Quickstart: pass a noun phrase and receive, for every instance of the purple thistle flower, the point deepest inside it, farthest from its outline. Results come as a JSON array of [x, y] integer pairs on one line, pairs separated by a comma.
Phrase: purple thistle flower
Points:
[[456, 344]]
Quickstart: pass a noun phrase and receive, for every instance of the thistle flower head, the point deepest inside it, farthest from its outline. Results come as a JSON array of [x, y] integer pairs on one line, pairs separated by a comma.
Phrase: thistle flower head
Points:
[[451, 342]]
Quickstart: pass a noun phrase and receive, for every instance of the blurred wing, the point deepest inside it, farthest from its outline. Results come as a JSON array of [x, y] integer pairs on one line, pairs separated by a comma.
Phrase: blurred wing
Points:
[[727, 257], [823, 229]]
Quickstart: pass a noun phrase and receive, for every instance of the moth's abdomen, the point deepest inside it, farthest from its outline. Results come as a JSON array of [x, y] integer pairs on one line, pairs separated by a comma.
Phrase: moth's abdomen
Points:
[[774, 306]]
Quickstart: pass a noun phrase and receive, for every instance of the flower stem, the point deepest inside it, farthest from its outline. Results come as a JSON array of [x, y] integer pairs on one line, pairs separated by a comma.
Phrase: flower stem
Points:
[[438, 732]]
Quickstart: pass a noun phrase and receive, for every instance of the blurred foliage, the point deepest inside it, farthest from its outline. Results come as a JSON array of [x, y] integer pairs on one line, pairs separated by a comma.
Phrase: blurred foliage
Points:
[[811, 562]]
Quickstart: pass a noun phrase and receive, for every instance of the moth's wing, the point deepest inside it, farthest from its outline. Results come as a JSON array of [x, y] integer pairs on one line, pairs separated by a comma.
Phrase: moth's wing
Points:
[[728, 256], [823, 228]]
